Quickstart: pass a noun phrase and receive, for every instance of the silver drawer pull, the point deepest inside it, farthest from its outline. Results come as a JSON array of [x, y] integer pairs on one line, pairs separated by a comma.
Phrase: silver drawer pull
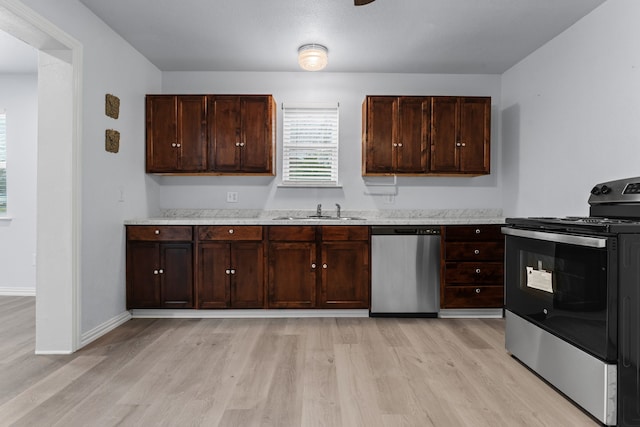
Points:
[[161, 271], [477, 231], [313, 265], [231, 231], [477, 271], [227, 271], [477, 290], [324, 265], [477, 251], [157, 232], [155, 271]]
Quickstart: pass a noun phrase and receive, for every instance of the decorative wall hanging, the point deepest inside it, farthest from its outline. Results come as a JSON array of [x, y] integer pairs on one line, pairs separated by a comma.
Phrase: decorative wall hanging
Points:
[[112, 141], [112, 106]]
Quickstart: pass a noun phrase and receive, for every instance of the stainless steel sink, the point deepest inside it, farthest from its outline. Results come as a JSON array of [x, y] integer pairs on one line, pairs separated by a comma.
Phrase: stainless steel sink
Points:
[[318, 218]]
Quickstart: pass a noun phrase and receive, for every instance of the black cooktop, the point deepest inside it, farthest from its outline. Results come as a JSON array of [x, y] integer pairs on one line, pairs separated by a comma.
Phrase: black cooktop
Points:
[[576, 224]]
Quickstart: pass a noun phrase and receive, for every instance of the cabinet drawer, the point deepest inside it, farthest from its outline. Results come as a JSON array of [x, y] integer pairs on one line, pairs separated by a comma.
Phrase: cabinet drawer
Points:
[[474, 251], [474, 297], [472, 232], [230, 232], [474, 272], [160, 232], [292, 233], [345, 232]]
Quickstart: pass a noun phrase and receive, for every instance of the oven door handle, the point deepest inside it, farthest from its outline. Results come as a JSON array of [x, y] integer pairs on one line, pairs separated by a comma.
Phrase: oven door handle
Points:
[[572, 239]]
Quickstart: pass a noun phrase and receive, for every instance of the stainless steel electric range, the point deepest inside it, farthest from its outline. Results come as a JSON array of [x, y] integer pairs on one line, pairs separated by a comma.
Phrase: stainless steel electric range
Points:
[[572, 299]]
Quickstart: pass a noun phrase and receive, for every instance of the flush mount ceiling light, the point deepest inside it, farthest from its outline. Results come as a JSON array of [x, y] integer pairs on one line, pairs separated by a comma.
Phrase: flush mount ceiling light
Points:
[[312, 57]]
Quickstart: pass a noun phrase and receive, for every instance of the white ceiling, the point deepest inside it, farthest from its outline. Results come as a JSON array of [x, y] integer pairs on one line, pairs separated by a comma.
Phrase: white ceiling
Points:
[[394, 36]]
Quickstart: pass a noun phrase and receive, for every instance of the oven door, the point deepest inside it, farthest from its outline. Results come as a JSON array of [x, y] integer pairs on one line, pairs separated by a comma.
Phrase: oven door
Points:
[[566, 284]]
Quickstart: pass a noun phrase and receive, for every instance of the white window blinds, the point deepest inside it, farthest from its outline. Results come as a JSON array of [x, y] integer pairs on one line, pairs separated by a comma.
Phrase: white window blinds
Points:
[[3, 163], [310, 144]]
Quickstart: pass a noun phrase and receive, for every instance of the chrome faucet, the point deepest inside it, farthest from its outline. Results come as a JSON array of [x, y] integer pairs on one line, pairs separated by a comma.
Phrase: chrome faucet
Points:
[[338, 210], [319, 209]]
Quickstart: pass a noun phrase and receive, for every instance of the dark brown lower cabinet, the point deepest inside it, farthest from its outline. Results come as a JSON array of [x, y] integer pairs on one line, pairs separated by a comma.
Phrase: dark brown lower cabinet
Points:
[[471, 269], [318, 267], [159, 267], [230, 263]]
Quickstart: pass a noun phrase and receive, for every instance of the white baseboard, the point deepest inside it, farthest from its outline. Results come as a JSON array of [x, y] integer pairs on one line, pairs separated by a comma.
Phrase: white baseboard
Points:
[[18, 292], [471, 313], [244, 314], [105, 327]]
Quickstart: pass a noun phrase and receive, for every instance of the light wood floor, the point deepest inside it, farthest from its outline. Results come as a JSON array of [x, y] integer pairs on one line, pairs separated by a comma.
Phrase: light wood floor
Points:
[[275, 372]]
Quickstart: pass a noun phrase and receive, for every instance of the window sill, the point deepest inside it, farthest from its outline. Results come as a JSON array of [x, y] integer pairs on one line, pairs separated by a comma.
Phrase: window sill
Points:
[[309, 185]]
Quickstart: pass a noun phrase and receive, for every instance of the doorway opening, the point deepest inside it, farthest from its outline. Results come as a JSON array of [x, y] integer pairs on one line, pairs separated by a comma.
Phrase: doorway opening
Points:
[[58, 181]]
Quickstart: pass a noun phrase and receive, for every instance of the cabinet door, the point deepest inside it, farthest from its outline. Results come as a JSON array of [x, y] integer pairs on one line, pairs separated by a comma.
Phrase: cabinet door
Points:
[[247, 280], [292, 274], [214, 276], [380, 134], [444, 136], [345, 275], [177, 275], [413, 134], [143, 280], [256, 134], [192, 133], [224, 133], [475, 131], [162, 136]]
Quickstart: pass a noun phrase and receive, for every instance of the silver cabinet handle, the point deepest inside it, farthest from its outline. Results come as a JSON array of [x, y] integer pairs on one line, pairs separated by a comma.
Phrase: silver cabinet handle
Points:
[[174, 145], [233, 271], [313, 265], [242, 144], [231, 231], [155, 271], [178, 145], [157, 232], [477, 290], [395, 144], [477, 271], [161, 271], [237, 144], [400, 144], [324, 265], [477, 251], [464, 145], [477, 231], [227, 271], [458, 144]]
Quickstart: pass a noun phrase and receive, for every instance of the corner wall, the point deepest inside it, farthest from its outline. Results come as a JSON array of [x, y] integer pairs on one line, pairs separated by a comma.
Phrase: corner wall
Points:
[[571, 114]]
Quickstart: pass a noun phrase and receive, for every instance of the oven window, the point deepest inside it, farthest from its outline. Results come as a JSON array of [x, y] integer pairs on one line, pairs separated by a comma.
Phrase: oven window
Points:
[[562, 288]]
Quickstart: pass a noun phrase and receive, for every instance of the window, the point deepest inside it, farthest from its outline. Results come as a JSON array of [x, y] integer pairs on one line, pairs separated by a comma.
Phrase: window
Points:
[[3, 163], [310, 145]]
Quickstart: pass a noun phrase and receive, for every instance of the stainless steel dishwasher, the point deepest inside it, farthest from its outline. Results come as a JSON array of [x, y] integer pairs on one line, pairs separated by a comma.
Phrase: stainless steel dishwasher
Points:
[[405, 271]]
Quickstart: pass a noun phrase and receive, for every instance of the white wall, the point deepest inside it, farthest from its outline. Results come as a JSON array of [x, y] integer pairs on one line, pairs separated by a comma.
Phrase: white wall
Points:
[[110, 65], [571, 114], [349, 90], [19, 99]]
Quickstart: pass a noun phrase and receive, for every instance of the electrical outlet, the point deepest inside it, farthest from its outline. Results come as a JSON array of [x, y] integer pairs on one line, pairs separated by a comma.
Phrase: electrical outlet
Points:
[[389, 199], [232, 197]]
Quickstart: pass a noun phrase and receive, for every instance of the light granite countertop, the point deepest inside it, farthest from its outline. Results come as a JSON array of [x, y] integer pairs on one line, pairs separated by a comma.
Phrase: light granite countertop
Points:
[[280, 217]]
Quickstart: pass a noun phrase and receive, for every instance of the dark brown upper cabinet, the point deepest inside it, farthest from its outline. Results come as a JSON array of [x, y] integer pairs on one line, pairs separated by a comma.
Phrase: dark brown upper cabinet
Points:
[[241, 134], [176, 133], [395, 135], [426, 135], [460, 135], [210, 134]]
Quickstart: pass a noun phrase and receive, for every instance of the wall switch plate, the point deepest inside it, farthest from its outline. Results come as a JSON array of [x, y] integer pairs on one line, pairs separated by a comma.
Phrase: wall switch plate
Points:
[[232, 197]]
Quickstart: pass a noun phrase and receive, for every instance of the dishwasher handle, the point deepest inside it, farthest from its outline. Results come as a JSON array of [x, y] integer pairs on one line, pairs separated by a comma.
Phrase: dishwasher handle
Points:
[[405, 230]]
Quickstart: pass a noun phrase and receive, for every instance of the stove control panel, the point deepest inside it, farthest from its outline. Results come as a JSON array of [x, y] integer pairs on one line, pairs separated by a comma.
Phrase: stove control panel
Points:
[[619, 191]]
